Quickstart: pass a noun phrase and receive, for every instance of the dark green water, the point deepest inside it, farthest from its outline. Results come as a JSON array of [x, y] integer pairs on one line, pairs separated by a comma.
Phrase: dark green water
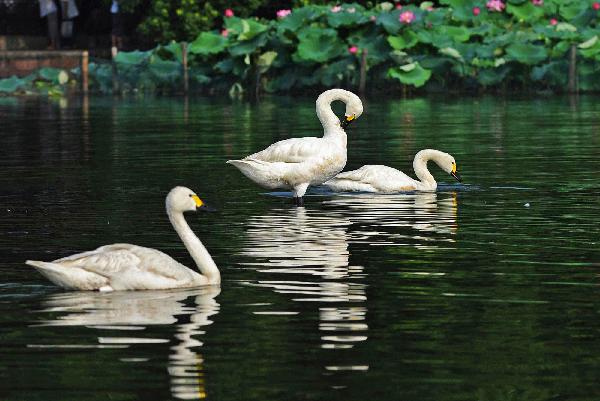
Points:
[[485, 291]]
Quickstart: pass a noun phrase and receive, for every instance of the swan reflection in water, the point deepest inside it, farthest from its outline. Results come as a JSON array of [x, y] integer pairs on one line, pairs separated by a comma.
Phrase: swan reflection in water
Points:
[[425, 220], [305, 252], [131, 312]]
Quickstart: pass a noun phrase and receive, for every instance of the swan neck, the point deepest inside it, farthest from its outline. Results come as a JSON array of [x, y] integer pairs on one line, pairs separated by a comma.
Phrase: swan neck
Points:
[[203, 260], [422, 172], [330, 122]]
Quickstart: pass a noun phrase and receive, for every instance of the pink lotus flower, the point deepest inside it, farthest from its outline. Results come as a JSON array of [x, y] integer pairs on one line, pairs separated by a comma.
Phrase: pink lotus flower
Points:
[[596, 6], [229, 13], [407, 17], [283, 13], [476, 11], [495, 5], [224, 33], [373, 18], [398, 6], [537, 2], [430, 8], [553, 21], [353, 49], [336, 9]]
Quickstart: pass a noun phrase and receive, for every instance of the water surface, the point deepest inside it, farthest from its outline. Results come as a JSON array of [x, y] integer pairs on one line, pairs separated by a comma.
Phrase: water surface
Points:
[[481, 291]]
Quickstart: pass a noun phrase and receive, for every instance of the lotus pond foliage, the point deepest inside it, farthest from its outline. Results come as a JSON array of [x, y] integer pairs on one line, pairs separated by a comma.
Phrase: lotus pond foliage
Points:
[[453, 44]]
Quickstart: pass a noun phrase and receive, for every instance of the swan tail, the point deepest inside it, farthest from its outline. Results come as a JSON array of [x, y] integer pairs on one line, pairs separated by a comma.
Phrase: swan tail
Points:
[[71, 278], [265, 174]]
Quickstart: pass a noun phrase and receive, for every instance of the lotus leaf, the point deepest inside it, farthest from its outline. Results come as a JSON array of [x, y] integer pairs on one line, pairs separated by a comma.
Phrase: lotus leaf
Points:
[[527, 53], [451, 52], [405, 40], [300, 17], [390, 21], [416, 76], [207, 43], [334, 74], [265, 60], [526, 11], [555, 73], [456, 33], [591, 49], [318, 45], [12, 84], [492, 76], [135, 57], [349, 15], [245, 29], [246, 47]]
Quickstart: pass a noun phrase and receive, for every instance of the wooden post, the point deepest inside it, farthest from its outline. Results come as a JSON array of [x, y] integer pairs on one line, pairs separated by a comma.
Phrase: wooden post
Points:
[[115, 78], [363, 71], [184, 60], [573, 70], [84, 71]]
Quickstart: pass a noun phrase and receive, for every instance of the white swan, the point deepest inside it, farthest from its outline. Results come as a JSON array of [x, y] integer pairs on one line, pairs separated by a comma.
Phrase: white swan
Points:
[[297, 163], [132, 267], [384, 179]]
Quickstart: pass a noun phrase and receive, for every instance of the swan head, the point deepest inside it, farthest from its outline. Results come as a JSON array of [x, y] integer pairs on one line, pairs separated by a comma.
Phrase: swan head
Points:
[[182, 199], [448, 164], [354, 109]]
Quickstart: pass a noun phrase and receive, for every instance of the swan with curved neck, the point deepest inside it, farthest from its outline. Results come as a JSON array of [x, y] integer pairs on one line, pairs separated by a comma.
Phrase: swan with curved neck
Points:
[[384, 179], [297, 163], [132, 267]]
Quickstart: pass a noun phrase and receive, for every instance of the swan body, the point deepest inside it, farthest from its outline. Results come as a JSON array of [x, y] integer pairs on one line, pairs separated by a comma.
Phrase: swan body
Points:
[[297, 163], [132, 267], [384, 179]]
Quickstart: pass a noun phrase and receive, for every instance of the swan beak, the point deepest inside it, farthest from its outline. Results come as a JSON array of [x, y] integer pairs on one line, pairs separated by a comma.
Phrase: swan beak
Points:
[[454, 174], [346, 121]]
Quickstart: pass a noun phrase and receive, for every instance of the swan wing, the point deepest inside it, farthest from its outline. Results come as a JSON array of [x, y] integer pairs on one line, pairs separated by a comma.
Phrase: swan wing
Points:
[[131, 267], [372, 178], [293, 150]]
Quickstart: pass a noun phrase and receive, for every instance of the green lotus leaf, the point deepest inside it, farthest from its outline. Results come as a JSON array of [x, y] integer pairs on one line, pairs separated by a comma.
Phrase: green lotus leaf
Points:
[[246, 47], [588, 75], [335, 73], [555, 73], [371, 40], [390, 21], [525, 11], [171, 51], [346, 18], [527, 53], [265, 61], [318, 45], [462, 10], [245, 29], [207, 43], [492, 76], [135, 57], [589, 43], [164, 70], [405, 40], [416, 76], [12, 84], [573, 9], [592, 49], [456, 33], [300, 17], [451, 52], [53, 75]]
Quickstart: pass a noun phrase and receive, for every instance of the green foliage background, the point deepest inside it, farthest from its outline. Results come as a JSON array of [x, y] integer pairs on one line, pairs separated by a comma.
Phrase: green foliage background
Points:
[[445, 47]]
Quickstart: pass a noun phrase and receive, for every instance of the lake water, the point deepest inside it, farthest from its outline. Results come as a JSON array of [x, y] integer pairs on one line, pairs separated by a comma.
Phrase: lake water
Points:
[[482, 291]]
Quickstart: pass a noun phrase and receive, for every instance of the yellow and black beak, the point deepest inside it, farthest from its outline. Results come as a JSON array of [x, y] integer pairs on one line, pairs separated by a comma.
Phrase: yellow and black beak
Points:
[[200, 205], [347, 120], [454, 174]]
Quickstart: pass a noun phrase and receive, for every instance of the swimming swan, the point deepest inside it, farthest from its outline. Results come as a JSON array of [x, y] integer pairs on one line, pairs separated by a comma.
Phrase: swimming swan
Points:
[[296, 163], [384, 179], [132, 267]]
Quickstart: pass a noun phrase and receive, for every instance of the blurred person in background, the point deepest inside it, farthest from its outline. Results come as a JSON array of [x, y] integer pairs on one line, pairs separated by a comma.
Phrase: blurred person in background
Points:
[[49, 11]]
